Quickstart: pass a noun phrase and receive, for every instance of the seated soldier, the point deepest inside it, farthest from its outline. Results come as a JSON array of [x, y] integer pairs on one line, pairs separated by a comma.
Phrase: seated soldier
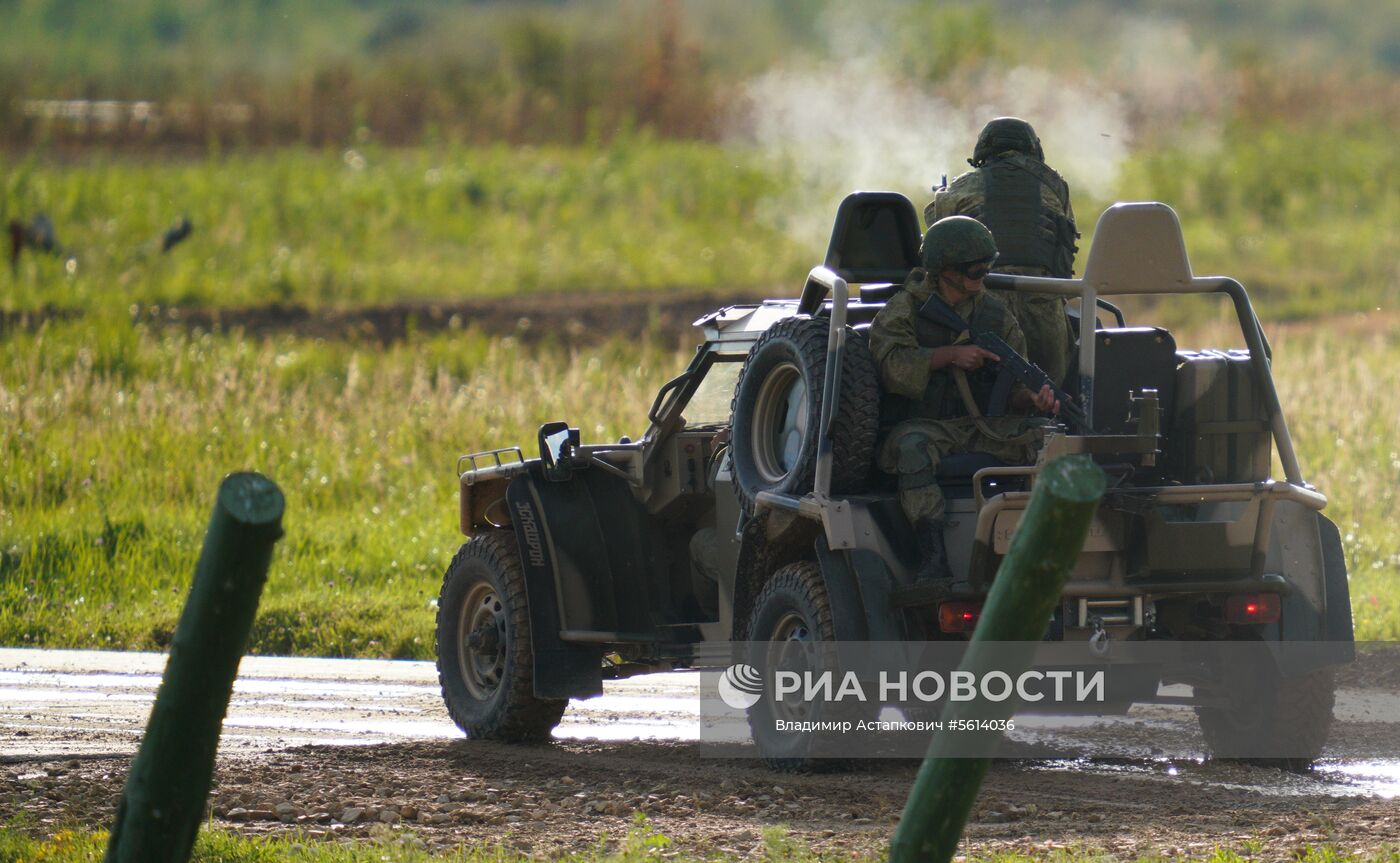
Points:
[[943, 383]]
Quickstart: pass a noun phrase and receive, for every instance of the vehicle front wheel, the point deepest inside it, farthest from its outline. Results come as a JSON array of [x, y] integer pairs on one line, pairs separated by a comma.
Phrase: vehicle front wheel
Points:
[[484, 659]]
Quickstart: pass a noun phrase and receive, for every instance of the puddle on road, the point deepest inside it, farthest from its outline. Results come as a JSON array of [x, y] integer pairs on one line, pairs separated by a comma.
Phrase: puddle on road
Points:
[[619, 731], [611, 703], [1373, 778], [380, 728], [16, 699], [15, 680], [79, 681], [1379, 778]]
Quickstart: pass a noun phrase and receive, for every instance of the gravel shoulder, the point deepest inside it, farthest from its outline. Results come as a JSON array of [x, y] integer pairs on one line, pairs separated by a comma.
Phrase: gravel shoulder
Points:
[[563, 796], [345, 749]]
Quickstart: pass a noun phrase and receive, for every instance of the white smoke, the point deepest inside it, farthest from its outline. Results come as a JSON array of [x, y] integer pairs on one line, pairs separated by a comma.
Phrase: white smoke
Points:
[[850, 123], [855, 127], [1083, 125], [1174, 91], [1165, 78], [844, 129]]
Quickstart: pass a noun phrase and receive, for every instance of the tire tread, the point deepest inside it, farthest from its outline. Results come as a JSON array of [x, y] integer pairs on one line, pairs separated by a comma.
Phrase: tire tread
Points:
[[855, 423]]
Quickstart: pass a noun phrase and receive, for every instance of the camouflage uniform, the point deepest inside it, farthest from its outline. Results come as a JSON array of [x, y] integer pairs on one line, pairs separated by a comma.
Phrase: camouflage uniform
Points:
[[933, 419], [1046, 246]]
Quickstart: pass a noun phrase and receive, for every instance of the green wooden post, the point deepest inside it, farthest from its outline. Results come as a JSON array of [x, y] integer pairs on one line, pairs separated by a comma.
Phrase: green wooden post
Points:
[[163, 802], [1023, 596]]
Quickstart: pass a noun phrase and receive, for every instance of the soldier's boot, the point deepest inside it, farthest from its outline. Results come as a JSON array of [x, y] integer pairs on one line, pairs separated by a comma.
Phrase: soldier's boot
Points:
[[933, 551]]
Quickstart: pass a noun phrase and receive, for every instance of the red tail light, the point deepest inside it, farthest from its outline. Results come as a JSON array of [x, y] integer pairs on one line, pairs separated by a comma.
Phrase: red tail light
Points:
[[959, 616], [1252, 608]]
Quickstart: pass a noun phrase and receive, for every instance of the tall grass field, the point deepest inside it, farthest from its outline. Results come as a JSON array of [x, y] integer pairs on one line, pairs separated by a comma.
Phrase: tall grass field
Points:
[[113, 439], [370, 225], [114, 434], [1303, 219]]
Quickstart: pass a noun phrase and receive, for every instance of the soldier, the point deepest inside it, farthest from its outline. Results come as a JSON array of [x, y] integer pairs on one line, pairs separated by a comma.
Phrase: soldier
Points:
[[939, 386], [1026, 205]]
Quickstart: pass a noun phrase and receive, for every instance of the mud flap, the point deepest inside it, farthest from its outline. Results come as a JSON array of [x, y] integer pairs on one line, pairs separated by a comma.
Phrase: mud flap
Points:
[[1315, 630], [562, 670], [884, 620], [1338, 624], [848, 612]]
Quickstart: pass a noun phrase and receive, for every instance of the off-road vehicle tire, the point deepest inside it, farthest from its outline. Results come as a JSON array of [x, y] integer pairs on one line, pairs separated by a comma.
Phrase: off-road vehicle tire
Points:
[[488, 681], [793, 607], [777, 409], [1292, 717]]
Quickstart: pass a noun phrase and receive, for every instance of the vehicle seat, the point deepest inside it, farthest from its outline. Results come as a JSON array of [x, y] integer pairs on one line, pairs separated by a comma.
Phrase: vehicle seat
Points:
[[875, 239], [955, 474]]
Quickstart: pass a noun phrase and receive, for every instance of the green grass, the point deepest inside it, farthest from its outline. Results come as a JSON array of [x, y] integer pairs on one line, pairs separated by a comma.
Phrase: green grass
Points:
[[219, 846], [641, 843], [113, 440], [113, 436], [379, 225], [1301, 215], [1343, 425]]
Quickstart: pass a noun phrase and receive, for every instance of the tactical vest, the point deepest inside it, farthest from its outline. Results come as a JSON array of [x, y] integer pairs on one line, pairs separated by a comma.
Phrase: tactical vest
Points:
[[1028, 233], [941, 399]]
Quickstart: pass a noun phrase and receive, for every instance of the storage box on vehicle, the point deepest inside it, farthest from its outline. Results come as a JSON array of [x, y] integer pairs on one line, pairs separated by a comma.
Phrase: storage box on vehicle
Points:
[[1221, 429]]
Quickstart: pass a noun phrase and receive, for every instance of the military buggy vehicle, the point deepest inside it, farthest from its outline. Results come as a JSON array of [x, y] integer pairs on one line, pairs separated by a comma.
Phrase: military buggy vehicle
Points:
[[750, 509]]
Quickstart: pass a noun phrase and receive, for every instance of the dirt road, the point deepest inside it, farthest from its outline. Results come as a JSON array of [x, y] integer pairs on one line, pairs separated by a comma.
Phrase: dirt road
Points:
[[348, 748], [577, 318]]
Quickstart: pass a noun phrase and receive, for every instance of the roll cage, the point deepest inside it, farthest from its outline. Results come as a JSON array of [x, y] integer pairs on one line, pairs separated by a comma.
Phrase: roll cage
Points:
[[1138, 250]]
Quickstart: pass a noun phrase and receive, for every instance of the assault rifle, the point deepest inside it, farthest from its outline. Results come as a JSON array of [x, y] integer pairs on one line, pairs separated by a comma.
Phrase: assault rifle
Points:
[[1013, 366]]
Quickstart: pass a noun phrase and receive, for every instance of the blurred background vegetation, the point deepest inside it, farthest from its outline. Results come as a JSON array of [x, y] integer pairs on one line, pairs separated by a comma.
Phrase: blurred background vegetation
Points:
[[344, 155], [568, 71], [1270, 126]]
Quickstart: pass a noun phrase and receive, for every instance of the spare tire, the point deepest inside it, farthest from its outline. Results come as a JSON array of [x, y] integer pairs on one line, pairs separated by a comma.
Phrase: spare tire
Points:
[[777, 410]]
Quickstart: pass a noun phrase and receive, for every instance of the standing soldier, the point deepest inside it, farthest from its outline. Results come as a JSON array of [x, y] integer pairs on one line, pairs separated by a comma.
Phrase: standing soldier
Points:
[[1026, 205], [940, 386]]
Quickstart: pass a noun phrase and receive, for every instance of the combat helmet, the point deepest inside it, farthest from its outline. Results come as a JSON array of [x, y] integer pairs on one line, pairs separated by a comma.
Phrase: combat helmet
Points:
[[956, 240], [1002, 134]]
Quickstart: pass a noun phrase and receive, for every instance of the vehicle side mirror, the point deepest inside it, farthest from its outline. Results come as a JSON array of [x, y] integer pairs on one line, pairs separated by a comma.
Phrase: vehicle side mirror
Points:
[[557, 445]]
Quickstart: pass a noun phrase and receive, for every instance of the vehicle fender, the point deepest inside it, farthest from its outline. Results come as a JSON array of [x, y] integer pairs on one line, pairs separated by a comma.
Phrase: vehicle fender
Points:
[[562, 669]]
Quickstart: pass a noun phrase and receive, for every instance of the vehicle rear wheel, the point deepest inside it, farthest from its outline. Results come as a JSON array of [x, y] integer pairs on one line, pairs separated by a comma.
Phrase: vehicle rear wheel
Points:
[[484, 659], [1284, 723], [790, 621], [777, 408]]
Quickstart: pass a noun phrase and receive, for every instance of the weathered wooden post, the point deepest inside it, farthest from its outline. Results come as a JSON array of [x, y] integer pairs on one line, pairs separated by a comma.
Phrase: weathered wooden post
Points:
[[1023, 596], [163, 802]]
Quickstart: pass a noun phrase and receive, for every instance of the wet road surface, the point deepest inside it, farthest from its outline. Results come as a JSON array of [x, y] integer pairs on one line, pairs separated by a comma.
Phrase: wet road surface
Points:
[[57, 704]]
